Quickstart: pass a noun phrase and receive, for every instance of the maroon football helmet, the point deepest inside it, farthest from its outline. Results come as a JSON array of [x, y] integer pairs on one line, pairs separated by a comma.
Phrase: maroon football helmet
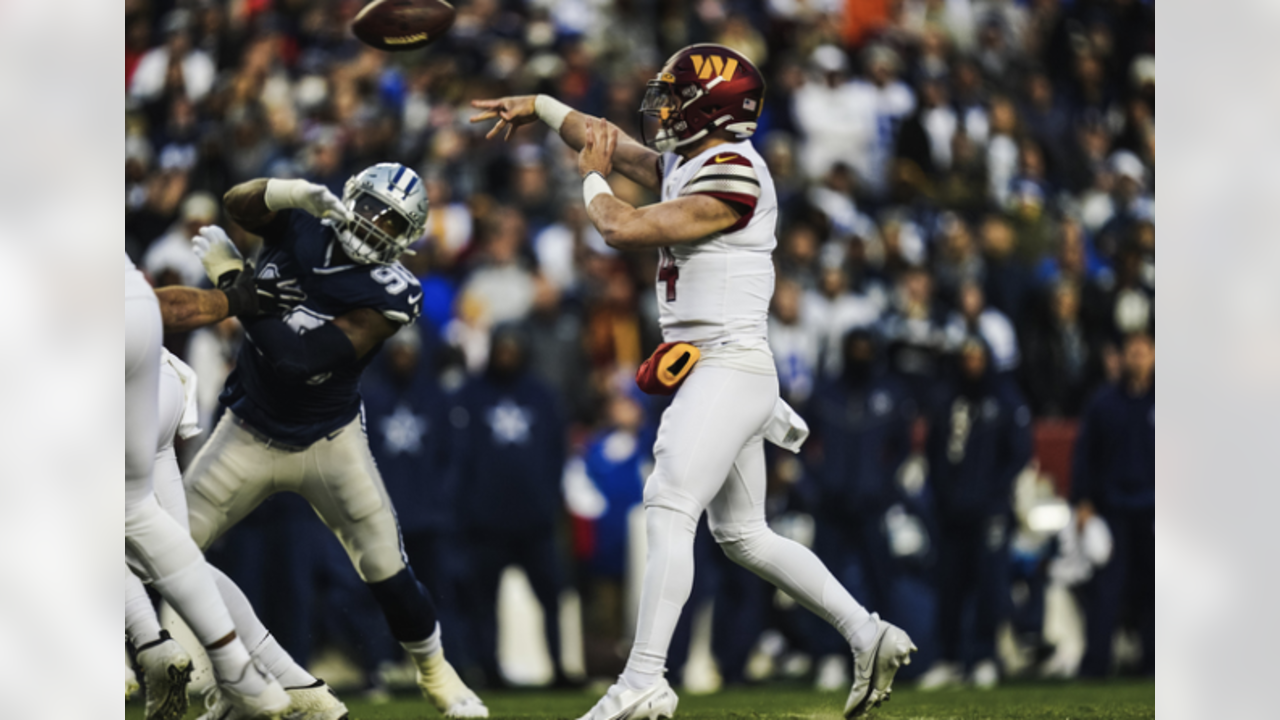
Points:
[[701, 88]]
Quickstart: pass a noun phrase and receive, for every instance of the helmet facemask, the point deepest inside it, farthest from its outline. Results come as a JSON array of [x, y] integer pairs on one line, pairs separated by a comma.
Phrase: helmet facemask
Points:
[[378, 233], [660, 116]]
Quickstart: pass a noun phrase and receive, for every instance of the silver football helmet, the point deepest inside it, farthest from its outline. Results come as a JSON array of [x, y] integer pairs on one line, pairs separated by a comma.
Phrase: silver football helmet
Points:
[[389, 205]]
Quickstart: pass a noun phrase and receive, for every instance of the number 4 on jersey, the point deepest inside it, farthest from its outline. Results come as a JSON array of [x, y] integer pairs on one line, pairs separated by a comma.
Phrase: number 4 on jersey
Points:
[[668, 272]]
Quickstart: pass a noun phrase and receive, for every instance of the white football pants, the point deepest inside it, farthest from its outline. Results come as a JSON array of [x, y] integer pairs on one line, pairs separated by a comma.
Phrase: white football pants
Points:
[[157, 547], [234, 472], [141, 623], [710, 456]]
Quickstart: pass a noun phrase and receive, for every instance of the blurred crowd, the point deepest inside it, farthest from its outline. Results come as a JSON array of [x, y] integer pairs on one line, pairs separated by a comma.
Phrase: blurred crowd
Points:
[[966, 248]]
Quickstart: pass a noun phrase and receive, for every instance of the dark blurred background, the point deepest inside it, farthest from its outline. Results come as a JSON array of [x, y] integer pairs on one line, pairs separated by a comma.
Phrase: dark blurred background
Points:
[[964, 314]]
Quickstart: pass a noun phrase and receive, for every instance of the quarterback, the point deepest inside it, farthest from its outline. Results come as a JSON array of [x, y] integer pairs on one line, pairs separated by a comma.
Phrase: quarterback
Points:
[[714, 231], [293, 420]]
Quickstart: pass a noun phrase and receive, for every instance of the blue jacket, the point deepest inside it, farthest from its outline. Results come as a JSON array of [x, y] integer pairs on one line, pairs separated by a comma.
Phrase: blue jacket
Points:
[[865, 434], [619, 480], [978, 443], [1114, 463], [510, 444], [409, 434]]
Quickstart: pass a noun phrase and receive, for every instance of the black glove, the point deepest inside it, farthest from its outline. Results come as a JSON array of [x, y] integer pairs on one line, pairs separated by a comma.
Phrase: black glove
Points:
[[241, 291]]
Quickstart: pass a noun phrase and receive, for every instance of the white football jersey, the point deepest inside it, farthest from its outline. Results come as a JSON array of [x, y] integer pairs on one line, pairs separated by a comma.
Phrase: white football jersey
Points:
[[135, 284], [717, 290]]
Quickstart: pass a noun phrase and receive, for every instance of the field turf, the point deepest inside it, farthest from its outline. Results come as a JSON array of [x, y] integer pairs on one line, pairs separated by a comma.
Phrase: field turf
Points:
[[1022, 700]]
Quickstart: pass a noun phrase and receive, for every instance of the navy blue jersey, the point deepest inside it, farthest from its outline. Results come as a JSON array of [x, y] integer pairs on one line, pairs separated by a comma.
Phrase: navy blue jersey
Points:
[[298, 246]]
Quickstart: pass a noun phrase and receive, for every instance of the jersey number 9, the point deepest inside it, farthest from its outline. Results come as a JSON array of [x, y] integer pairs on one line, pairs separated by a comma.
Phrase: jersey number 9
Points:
[[395, 277]]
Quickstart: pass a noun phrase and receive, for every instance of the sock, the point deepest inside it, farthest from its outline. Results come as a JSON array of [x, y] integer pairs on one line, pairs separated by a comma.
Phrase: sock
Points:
[[407, 606], [425, 649], [140, 621], [668, 579], [261, 644], [231, 666], [794, 569], [865, 636]]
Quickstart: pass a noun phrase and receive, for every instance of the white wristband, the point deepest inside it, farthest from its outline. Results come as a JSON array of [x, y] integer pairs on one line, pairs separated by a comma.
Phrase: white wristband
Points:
[[592, 185], [284, 194], [551, 111]]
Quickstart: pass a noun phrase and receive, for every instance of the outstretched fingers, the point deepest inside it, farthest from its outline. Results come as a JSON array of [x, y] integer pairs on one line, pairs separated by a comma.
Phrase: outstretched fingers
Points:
[[493, 133]]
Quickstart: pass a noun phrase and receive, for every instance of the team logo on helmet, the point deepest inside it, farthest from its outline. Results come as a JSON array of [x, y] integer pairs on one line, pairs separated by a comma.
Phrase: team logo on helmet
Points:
[[714, 64]]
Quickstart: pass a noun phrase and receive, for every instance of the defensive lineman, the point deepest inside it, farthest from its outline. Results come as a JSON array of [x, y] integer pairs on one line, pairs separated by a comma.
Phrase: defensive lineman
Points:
[[714, 230], [293, 421]]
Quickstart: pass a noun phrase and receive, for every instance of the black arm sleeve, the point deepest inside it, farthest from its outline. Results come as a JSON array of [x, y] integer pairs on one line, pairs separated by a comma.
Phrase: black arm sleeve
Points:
[[298, 357]]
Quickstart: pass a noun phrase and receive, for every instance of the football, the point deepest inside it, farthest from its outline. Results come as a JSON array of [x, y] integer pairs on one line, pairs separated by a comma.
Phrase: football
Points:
[[399, 25]]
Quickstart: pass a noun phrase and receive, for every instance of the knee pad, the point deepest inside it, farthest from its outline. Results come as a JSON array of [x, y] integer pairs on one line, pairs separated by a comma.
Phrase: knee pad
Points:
[[378, 563], [742, 545], [660, 490], [407, 606], [155, 544]]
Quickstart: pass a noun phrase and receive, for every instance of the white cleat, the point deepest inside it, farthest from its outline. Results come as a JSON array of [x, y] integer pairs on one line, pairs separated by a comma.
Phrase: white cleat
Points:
[[441, 685], [941, 674], [315, 702], [166, 672], [873, 671], [231, 701], [986, 675], [130, 682], [623, 703]]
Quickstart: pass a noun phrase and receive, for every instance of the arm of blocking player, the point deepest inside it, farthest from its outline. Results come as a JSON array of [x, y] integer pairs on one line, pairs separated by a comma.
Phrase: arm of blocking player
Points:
[[346, 339], [683, 220], [188, 308], [632, 158]]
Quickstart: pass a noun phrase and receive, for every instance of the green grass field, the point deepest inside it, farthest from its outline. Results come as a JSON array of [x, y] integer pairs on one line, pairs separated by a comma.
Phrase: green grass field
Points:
[[1024, 701]]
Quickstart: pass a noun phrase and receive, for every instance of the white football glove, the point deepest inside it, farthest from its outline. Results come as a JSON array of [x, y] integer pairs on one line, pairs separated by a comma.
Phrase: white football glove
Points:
[[217, 253], [311, 198]]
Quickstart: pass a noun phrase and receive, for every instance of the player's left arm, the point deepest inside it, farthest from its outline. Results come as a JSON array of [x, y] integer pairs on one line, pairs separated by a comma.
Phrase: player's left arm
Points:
[[366, 328], [625, 227], [332, 345], [683, 220]]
